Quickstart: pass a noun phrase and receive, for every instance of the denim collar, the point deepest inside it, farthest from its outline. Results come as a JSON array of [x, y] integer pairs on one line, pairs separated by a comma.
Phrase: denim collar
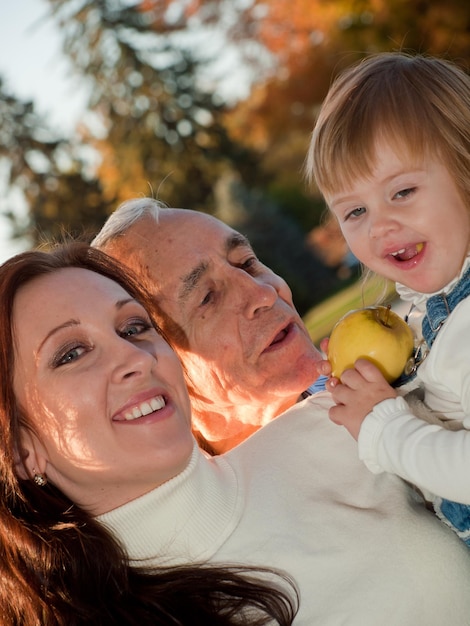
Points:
[[440, 306]]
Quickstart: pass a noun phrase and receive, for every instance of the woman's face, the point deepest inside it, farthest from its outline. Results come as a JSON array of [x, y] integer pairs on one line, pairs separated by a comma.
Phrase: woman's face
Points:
[[104, 393]]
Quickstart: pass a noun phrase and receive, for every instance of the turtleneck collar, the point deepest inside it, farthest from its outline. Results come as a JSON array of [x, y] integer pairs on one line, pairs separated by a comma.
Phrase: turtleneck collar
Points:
[[184, 520], [419, 299]]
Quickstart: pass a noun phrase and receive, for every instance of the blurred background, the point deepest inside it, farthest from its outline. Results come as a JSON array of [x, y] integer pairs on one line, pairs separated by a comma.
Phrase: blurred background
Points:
[[203, 104]]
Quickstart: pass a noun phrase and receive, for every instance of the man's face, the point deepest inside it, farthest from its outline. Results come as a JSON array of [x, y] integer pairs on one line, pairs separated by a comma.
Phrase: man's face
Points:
[[242, 341]]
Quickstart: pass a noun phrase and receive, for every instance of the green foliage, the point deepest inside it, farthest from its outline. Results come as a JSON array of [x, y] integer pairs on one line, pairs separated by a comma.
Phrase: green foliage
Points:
[[306, 211], [47, 172], [164, 128]]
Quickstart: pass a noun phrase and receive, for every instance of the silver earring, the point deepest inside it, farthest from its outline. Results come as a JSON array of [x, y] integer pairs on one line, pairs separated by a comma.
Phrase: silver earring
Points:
[[39, 479]]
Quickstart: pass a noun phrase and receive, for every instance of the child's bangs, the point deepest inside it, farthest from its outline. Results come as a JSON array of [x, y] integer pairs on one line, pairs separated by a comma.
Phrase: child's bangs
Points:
[[346, 146]]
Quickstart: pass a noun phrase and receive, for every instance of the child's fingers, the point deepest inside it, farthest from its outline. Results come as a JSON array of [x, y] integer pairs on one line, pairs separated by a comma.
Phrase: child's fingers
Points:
[[369, 371], [324, 345], [353, 379], [331, 383], [324, 368]]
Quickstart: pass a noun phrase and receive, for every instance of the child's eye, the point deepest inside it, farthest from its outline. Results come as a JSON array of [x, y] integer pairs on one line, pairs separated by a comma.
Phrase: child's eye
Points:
[[404, 193], [357, 212]]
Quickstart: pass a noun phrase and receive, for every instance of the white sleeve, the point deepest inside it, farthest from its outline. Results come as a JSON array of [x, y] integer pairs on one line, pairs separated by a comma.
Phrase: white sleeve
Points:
[[437, 460], [446, 371]]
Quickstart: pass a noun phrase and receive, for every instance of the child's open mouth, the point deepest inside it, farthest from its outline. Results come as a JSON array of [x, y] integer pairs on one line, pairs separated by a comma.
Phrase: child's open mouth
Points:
[[405, 254]]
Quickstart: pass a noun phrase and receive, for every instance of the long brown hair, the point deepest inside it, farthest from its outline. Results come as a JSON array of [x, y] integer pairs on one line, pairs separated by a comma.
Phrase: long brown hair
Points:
[[58, 565]]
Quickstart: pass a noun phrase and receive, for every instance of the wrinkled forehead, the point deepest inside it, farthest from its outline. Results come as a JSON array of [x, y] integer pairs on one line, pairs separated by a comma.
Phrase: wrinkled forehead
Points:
[[167, 251]]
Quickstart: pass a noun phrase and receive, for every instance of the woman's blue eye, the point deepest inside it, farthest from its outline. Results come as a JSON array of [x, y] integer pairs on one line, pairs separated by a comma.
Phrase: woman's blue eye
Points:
[[135, 328], [69, 356]]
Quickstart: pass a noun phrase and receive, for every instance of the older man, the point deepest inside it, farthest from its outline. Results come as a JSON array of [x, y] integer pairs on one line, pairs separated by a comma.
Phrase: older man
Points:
[[247, 353]]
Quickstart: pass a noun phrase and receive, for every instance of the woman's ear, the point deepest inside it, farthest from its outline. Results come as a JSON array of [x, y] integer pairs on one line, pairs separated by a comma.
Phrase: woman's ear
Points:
[[29, 457]]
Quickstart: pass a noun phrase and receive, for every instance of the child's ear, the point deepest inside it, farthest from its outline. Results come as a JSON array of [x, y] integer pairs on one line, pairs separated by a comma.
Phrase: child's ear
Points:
[[29, 456]]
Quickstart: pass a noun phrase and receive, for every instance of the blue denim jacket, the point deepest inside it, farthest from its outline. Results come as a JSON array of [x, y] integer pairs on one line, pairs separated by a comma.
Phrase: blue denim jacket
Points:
[[438, 309]]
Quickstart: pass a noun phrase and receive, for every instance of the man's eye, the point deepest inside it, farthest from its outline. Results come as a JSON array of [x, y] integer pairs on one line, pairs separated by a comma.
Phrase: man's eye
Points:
[[207, 298], [248, 264]]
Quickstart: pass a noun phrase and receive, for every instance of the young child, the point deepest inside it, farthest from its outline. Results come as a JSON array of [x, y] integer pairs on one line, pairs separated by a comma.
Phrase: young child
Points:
[[390, 153]]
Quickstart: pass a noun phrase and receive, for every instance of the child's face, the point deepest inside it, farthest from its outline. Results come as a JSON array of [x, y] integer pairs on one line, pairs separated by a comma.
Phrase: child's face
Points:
[[405, 221]]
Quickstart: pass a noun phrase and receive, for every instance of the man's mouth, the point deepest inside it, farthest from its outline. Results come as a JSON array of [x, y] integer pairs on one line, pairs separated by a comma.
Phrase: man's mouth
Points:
[[281, 335], [408, 253]]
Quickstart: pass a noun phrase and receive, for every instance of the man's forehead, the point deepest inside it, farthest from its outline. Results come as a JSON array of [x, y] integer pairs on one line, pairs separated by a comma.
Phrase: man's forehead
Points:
[[198, 234], [179, 249], [199, 267]]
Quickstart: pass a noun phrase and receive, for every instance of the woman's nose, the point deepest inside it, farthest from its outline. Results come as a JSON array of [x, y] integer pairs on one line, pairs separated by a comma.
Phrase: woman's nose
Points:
[[133, 359]]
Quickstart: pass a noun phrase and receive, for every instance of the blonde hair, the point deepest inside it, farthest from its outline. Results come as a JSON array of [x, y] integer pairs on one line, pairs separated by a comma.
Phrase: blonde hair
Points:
[[419, 103]]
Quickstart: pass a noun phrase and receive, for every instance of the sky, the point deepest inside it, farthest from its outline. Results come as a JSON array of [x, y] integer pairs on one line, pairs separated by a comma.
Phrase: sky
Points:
[[32, 66]]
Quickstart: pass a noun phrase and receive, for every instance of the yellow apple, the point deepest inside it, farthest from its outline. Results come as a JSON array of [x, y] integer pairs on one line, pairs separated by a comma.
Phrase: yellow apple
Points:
[[376, 333]]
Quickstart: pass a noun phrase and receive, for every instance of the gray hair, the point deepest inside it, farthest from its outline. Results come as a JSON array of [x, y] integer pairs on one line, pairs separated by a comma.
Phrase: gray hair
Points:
[[124, 217]]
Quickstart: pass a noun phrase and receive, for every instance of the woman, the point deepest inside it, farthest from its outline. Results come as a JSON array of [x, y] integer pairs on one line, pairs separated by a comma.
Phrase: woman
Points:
[[94, 420], [58, 564]]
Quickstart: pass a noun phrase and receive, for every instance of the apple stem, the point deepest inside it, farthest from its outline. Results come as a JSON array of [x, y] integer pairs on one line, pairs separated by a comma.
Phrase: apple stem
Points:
[[387, 314]]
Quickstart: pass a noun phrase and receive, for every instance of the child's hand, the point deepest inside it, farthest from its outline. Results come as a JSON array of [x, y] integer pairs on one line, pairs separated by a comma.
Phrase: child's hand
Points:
[[324, 366], [356, 394], [324, 345]]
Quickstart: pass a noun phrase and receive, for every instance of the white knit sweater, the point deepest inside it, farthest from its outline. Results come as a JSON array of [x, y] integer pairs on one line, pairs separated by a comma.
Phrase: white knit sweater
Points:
[[362, 548], [430, 456]]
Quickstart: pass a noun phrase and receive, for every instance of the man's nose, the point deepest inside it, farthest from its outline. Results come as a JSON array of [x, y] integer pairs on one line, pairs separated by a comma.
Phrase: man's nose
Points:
[[255, 293]]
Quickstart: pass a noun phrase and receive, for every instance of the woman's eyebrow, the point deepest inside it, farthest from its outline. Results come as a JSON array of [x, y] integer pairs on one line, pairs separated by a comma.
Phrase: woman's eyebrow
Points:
[[56, 329], [76, 322]]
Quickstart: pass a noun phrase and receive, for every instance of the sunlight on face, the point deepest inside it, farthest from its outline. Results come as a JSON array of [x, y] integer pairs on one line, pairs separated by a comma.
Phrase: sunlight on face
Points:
[[103, 391], [244, 342]]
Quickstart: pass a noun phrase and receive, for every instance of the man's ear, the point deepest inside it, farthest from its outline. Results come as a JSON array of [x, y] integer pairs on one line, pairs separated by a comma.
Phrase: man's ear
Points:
[[29, 457]]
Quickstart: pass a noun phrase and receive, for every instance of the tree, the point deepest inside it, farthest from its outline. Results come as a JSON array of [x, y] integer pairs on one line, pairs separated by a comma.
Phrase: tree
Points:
[[168, 127], [311, 41], [162, 122], [47, 172]]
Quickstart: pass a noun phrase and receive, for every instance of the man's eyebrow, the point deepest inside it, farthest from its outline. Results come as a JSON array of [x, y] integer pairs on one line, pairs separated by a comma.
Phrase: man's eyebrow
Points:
[[236, 240], [191, 280]]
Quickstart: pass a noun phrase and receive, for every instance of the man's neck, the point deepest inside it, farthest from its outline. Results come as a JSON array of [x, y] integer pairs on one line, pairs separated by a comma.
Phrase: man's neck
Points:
[[213, 448], [217, 431]]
